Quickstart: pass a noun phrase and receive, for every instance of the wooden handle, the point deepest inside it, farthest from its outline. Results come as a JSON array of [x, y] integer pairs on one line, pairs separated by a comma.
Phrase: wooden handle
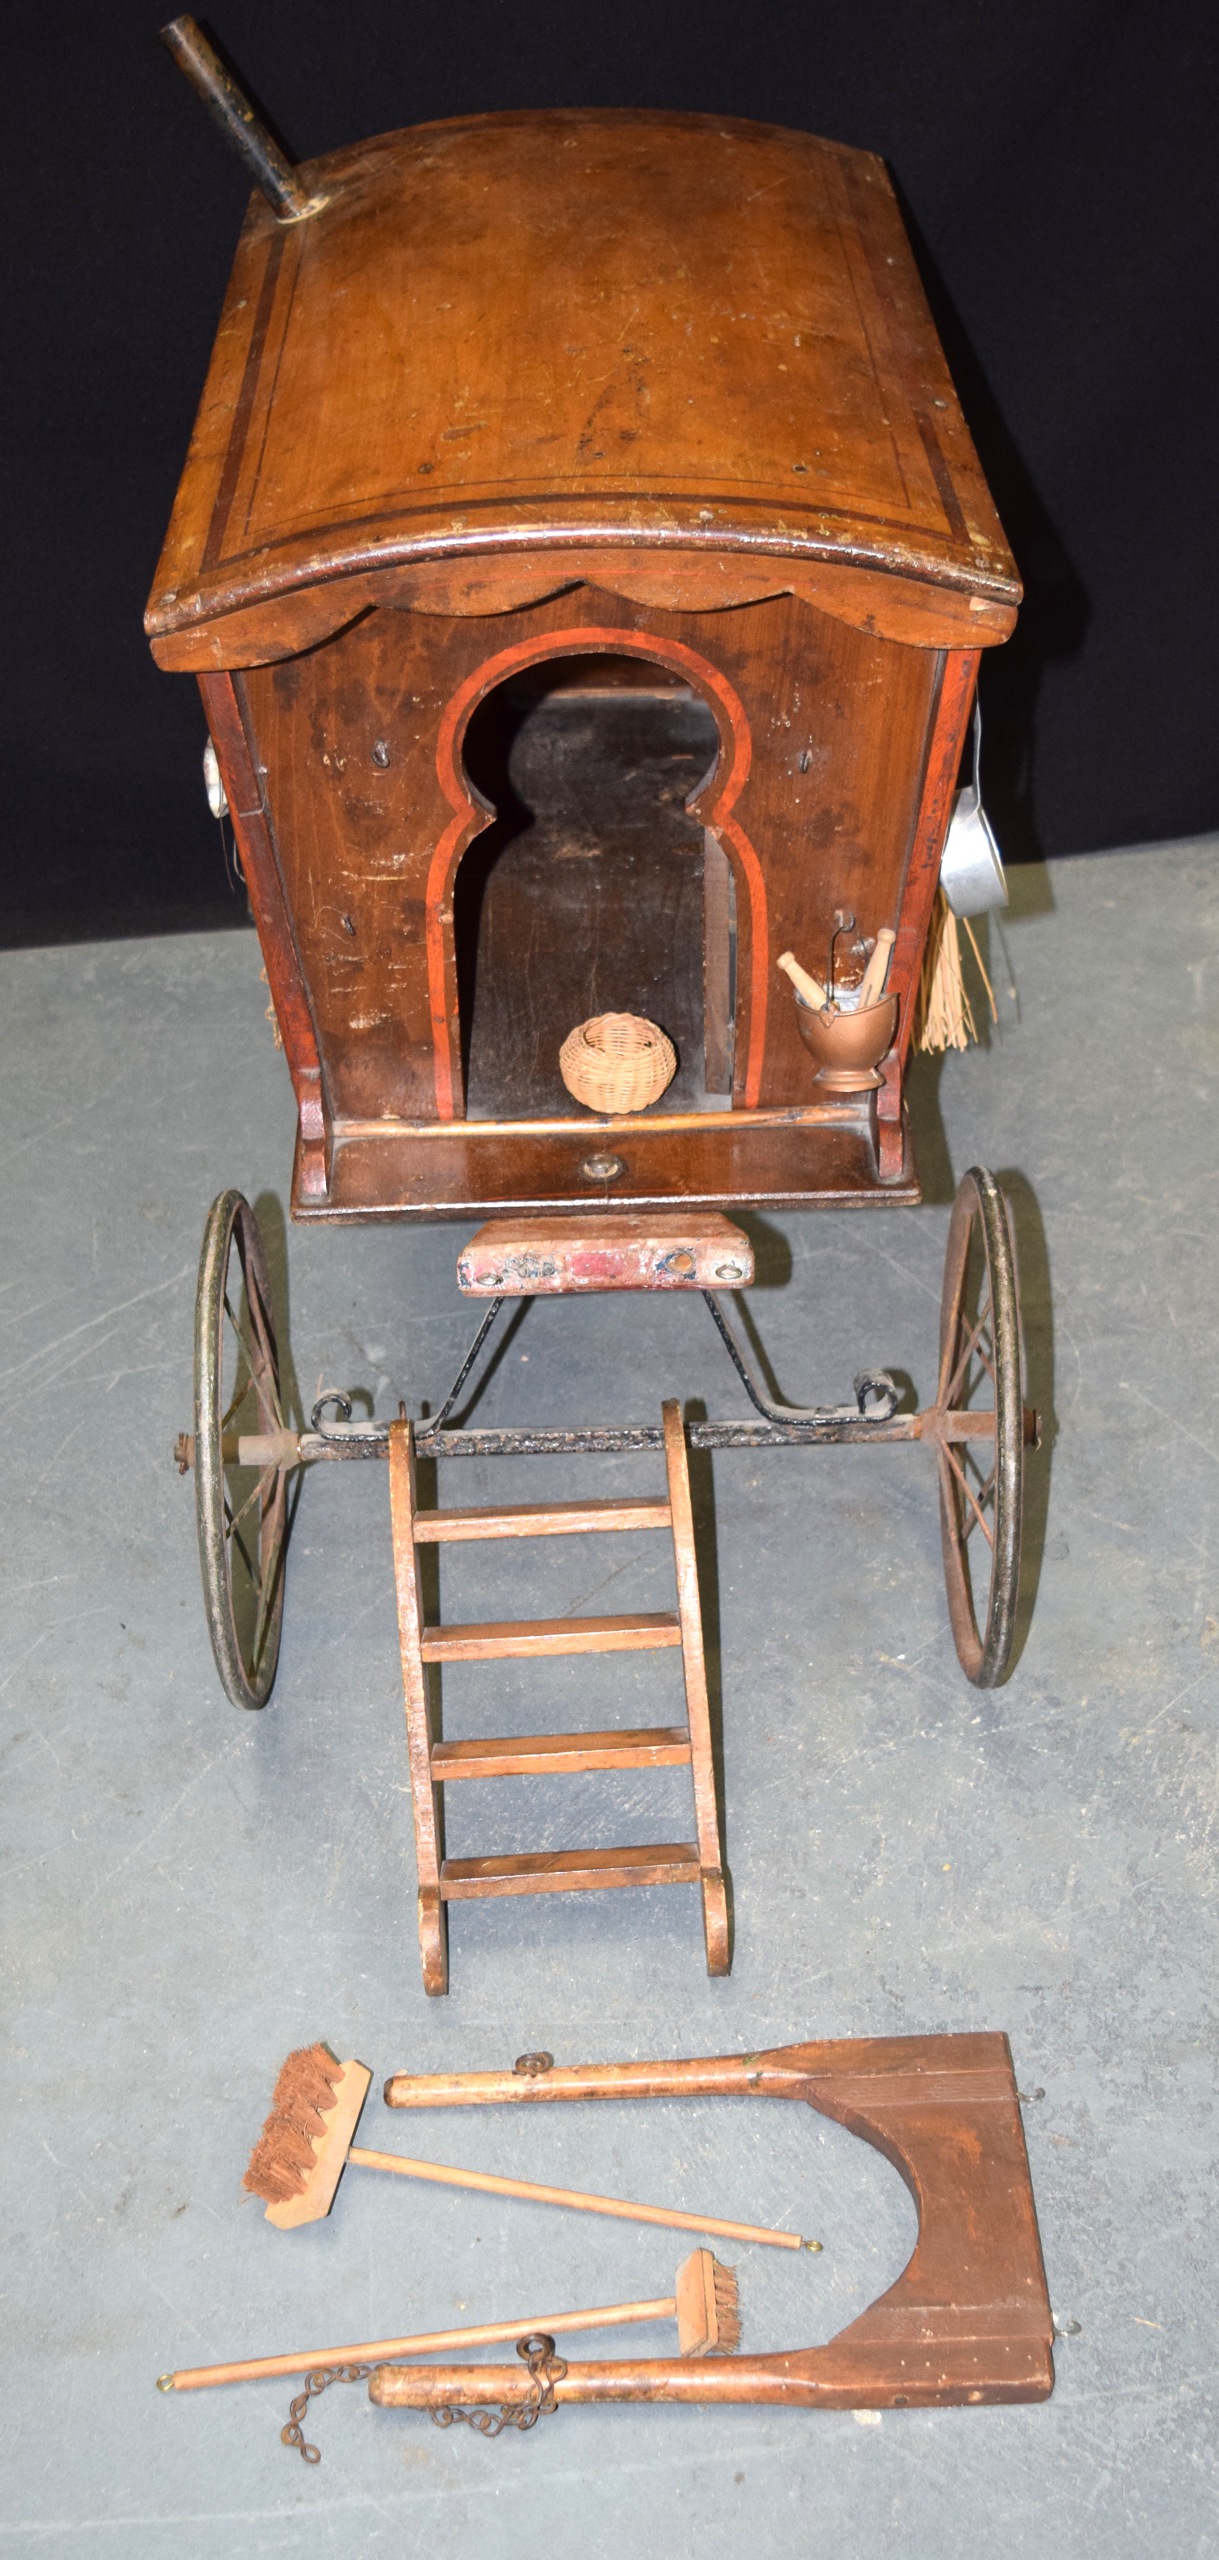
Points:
[[872, 985], [201, 2377], [728, 2075], [571, 2196], [438, 2386], [228, 103], [810, 988]]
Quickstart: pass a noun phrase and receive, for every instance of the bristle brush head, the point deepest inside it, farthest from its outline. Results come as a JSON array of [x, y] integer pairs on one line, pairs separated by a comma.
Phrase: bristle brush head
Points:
[[708, 2317], [300, 2155], [306, 2085], [283, 2156], [280, 2162], [727, 2307]]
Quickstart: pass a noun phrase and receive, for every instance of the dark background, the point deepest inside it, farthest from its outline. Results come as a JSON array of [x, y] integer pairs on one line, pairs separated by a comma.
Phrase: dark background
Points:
[[1057, 163]]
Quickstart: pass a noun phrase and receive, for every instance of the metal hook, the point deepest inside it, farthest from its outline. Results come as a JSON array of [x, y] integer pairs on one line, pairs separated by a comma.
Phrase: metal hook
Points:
[[844, 922], [342, 1404]]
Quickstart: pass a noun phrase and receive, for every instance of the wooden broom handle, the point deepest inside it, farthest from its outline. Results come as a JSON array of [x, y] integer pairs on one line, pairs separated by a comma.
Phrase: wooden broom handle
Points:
[[201, 2377], [571, 2196]]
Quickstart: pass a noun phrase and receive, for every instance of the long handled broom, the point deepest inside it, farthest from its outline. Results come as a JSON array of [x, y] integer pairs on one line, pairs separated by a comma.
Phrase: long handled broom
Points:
[[704, 2303], [306, 2143]]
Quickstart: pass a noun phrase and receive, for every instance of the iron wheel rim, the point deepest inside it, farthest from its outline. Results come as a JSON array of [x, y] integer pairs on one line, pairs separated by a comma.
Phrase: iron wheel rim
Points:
[[242, 1526], [985, 1505]]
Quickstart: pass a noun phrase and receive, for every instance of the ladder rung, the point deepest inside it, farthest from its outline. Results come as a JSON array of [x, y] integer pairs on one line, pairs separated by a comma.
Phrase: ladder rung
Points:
[[483, 1641], [542, 1755], [569, 1871], [540, 1520]]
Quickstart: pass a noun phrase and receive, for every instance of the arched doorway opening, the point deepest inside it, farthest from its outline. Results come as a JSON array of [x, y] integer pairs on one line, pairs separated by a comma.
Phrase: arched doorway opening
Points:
[[595, 889]]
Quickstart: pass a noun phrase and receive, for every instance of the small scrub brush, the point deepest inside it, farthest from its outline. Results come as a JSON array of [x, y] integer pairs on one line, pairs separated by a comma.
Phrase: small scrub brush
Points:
[[306, 2143], [704, 2303]]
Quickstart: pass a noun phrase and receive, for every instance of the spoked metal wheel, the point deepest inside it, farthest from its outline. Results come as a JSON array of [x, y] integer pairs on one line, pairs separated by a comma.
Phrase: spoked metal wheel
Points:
[[979, 1428], [242, 1453]]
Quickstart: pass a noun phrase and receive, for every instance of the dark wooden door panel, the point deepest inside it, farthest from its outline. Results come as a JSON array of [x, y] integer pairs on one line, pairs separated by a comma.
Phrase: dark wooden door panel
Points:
[[586, 896]]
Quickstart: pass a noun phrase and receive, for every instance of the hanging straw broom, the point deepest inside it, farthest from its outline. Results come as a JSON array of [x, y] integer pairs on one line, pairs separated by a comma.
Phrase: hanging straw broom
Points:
[[943, 1014]]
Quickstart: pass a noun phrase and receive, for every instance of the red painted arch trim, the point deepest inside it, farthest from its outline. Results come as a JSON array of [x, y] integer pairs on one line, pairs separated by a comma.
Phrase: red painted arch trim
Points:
[[468, 821]]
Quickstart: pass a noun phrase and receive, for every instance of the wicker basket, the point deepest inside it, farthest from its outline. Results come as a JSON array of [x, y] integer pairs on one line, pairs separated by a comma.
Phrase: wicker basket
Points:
[[617, 1062]]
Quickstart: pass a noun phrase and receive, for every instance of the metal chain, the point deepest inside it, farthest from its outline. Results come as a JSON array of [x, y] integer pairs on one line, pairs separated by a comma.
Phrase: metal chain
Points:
[[292, 2435], [546, 2368], [537, 2352]]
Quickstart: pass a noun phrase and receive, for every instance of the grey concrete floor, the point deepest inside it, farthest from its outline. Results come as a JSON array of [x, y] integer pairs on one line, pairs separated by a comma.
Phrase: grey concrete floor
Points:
[[192, 1891]]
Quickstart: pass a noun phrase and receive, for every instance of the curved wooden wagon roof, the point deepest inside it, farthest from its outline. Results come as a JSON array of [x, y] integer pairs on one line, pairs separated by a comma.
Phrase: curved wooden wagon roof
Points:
[[682, 334]]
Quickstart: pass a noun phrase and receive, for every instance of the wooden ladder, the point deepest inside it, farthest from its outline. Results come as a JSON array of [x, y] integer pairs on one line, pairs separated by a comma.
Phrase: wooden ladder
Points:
[[433, 1764]]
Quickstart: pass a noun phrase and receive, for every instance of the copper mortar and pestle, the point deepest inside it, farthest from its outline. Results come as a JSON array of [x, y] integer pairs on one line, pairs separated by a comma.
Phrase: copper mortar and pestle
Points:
[[847, 1043]]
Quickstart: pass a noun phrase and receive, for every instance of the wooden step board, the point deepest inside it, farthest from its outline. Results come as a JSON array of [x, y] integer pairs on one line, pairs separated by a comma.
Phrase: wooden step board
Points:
[[433, 1762], [569, 1871], [555, 1255], [515, 1636], [538, 1520], [552, 1755]]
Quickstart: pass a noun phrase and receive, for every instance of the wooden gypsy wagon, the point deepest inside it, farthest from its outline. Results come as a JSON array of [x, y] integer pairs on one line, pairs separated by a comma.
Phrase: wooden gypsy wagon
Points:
[[585, 565]]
